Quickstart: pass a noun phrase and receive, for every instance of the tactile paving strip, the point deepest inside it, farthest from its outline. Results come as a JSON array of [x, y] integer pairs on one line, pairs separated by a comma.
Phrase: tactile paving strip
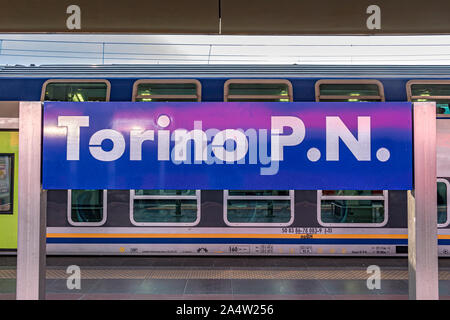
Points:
[[345, 274]]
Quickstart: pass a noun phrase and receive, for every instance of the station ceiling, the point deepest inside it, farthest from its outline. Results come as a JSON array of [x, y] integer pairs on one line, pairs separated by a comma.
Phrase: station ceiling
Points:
[[228, 17]]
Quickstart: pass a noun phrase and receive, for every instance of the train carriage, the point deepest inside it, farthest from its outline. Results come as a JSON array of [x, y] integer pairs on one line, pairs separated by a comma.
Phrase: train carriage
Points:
[[223, 222]]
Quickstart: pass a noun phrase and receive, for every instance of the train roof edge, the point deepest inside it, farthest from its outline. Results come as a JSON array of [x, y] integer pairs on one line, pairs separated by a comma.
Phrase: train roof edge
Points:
[[223, 70]]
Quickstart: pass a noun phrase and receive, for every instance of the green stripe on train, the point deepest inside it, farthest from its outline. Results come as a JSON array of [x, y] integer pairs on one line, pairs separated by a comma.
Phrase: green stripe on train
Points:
[[9, 143]]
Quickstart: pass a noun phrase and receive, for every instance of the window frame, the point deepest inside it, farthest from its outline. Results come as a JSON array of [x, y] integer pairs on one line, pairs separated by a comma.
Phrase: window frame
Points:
[[410, 97], [384, 197], [227, 197], [12, 185], [196, 197], [87, 224], [447, 222], [320, 197], [167, 197], [169, 81], [69, 191], [348, 81], [227, 96], [108, 85]]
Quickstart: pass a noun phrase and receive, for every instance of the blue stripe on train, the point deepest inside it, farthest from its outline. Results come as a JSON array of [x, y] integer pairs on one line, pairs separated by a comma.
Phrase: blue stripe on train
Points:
[[230, 241]]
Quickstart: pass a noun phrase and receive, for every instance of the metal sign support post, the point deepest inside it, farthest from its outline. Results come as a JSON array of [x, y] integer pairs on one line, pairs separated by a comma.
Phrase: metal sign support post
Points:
[[422, 217], [31, 246]]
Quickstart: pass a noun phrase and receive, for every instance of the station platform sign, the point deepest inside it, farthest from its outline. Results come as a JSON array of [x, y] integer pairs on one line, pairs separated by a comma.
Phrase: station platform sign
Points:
[[228, 145]]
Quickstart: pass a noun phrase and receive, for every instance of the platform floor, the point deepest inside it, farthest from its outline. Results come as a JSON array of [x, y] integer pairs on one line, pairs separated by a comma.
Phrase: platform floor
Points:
[[206, 278]]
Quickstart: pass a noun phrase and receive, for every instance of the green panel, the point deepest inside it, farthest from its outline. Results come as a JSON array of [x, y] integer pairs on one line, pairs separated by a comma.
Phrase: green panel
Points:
[[9, 143]]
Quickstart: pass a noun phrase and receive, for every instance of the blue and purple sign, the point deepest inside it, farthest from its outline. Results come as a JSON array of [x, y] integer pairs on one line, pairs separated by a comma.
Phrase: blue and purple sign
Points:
[[227, 145]]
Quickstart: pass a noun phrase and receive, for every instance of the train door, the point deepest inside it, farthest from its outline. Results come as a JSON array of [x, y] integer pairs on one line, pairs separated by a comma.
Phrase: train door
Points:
[[9, 148]]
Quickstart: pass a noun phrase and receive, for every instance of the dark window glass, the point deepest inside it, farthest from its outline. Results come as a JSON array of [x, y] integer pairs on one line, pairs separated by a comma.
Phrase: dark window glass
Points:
[[6, 184], [442, 202], [352, 211], [352, 192], [421, 92], [349, 89], [87, 206], [146, 91], [165, 192], [259, 211], [351, 100], [430, 89], [76, 92], [258, 89], [165, 211], [258, 193]]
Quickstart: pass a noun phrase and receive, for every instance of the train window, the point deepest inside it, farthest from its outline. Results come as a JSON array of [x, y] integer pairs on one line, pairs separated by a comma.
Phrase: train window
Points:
[[76, 90], [349, 91], [431, 90], [165, 207], [87, 207], [351, 207], [167, 90], [258, 207], [6, 183], [443, 216], [258, 90]]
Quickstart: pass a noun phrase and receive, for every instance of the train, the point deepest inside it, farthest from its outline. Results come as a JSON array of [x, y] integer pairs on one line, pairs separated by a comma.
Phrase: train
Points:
[[223, 222]]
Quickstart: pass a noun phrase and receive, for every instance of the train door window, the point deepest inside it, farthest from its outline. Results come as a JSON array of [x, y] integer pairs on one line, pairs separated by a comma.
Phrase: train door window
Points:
[[258, 207], [431, 90], [6, 183], [167, 90], [165, 207], [443, 214], [351, 207], [84, 207]]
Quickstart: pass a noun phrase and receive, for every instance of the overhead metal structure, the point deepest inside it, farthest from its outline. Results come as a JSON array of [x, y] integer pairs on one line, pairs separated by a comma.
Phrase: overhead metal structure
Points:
[[249, 17]]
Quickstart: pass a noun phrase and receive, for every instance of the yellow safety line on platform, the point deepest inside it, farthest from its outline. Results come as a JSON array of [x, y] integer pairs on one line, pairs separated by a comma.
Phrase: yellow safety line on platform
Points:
[[254, 274]]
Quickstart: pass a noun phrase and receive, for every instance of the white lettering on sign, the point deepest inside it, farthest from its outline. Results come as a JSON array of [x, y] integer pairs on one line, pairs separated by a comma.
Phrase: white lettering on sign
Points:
[[228, 146], [73, 22], [337, 130], [374, 21]]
